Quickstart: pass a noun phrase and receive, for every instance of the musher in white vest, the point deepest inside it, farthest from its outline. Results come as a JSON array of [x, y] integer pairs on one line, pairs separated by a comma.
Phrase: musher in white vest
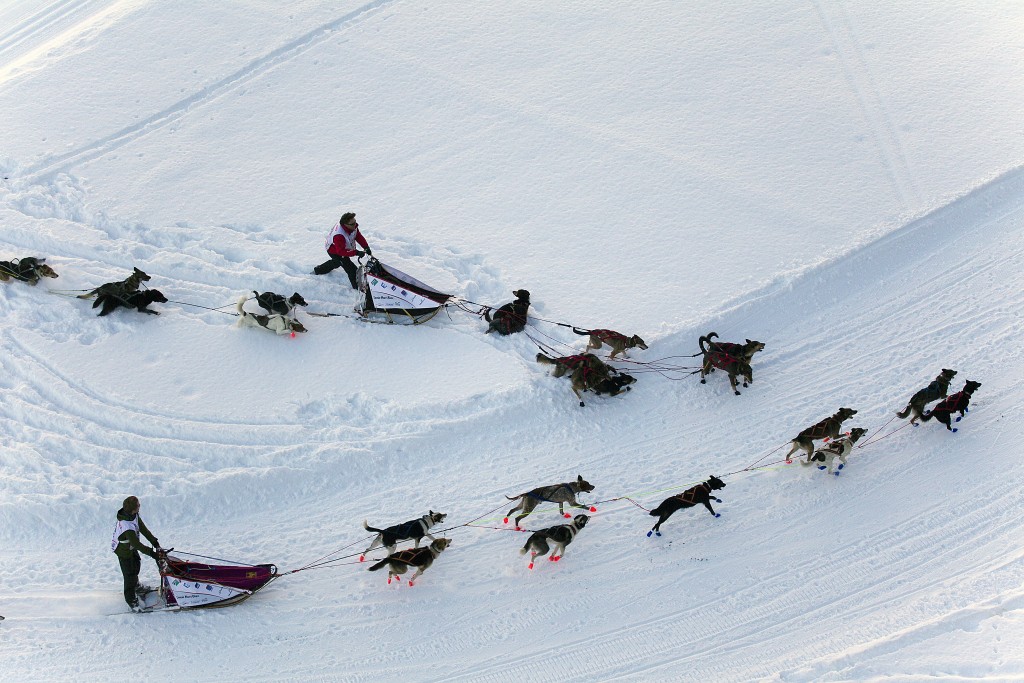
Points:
[[127, 546]]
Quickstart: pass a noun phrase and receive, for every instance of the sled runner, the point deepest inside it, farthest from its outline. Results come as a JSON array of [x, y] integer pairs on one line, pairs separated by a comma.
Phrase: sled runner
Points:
[[391, 296], [191, 584]]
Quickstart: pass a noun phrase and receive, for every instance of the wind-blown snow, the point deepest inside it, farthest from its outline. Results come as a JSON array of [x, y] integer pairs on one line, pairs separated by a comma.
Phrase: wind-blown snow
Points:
[[842, 182]]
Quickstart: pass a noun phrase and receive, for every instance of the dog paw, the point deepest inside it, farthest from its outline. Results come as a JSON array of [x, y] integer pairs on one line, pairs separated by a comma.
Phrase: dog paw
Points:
[[566, 515], [649, 534], [703, 381], [412, 583], [506, 520], [745, 384], [822, 467], [362, 558], [841, 467], [530, 566], [593, 509], [718, 500], [788, 461], [958, 419], [954, 430], [718, 514], [836, 473]]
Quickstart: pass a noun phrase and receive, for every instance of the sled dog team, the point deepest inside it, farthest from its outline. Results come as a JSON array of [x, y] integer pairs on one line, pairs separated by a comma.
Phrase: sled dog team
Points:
[[586, 372]]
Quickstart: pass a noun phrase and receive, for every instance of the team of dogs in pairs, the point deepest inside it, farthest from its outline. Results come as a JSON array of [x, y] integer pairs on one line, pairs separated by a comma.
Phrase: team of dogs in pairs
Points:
[[586, 372]]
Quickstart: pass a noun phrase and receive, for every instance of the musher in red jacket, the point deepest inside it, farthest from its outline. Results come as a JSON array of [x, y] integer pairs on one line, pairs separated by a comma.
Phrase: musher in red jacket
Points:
[[342, 245]]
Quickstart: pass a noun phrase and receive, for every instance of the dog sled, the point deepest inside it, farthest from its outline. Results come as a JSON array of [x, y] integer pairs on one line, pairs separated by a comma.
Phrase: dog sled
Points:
[[188, 582], [394, 297]]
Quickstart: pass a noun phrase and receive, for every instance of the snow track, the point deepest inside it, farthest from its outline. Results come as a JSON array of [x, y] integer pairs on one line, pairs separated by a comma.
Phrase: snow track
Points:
[[769, 154], [830, 575]]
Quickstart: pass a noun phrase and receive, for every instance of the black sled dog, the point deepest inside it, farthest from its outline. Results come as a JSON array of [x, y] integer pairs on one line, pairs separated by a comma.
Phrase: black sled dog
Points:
[[413, 530], [698, 495], [511, 317], [938, 388], [957, 403]]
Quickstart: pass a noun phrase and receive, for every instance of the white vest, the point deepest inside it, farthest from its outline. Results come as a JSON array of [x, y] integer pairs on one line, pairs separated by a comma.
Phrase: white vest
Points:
[[122, 526], [350, 237]]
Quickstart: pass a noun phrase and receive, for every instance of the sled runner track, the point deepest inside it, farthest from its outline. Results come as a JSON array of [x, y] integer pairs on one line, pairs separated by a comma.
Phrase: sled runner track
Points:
[[176, 111], [38, 26], [706, 628], [872, 106]]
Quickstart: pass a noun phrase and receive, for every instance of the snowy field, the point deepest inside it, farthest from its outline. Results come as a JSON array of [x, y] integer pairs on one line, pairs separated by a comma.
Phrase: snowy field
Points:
[[842, 181]]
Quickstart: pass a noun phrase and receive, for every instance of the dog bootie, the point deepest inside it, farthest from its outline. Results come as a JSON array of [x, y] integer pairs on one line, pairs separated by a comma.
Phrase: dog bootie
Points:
[[822, 467]]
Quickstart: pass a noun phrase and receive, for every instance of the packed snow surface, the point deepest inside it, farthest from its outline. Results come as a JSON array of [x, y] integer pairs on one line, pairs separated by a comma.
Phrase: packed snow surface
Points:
[[842, 181]]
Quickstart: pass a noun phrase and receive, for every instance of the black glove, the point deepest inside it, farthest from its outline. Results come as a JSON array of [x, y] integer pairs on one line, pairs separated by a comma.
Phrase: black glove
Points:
[[368, 252]]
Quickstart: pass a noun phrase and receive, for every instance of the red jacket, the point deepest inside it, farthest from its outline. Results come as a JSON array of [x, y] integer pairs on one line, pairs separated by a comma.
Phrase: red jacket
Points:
[[338, 245]]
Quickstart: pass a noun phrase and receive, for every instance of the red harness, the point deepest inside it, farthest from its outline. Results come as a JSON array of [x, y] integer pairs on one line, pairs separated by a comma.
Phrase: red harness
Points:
[[605, 335]]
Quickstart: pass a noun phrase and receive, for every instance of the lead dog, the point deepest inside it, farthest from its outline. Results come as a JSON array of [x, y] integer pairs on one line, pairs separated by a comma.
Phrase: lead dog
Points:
[[413, 530], [122, 289], [733, 358], [938, 388], [557, 493], [560, 536], [275, 323], [28, 269], [698, 495], [840, 448], [826, 429], [137, 300], [957, 403], [616, 341], [275, 303], [421, 558], [511, 317]]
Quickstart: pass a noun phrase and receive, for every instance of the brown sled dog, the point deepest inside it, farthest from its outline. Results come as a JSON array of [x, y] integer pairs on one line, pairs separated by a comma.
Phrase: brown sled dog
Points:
[[28, 269], [421, 558], [556, 493], [587, 372], [826, 429], [733, 358], [938, 388], [616, 341]]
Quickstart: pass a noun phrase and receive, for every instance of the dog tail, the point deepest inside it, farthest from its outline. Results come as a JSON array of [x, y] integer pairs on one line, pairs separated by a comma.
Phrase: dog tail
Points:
[[238, 306], [487, 314], [582, 333], [379, 565], [515, 497], [370, 528], [525, 549], [706, 338], [903, 413], [925, 416], [545, 360]]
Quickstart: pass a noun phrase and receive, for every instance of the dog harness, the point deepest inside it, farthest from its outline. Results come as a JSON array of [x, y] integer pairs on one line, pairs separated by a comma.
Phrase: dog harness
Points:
[[951, 404], [690, 495], [567, 487], [605, 335], [820, 430]]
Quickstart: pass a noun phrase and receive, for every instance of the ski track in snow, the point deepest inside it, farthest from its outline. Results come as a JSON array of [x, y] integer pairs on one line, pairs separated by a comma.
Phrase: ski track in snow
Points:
[[923, 574], [98, 148]]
